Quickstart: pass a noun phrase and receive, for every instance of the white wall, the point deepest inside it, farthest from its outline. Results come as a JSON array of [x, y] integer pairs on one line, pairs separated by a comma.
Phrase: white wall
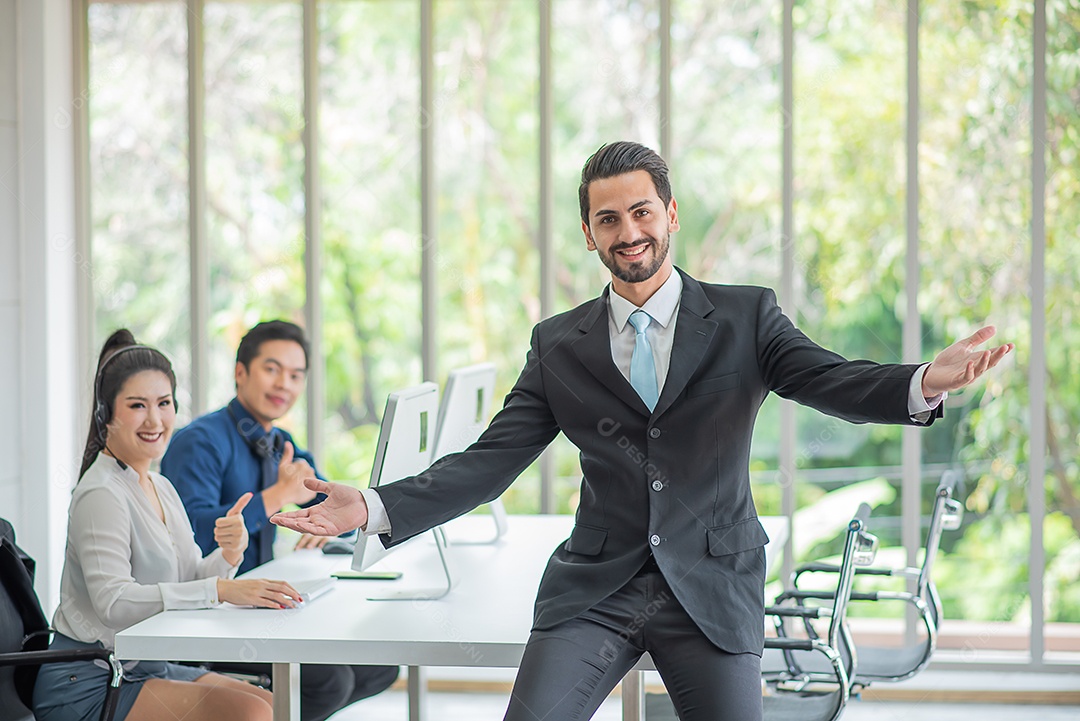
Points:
[[38, 265], [10, 436]]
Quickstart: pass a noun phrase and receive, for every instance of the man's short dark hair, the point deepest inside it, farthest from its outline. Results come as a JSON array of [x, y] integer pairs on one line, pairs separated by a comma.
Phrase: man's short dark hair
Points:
[[619, 158], [267, 331]]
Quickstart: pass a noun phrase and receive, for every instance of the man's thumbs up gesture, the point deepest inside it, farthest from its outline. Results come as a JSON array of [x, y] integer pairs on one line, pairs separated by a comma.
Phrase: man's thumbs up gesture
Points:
[[231, 533]]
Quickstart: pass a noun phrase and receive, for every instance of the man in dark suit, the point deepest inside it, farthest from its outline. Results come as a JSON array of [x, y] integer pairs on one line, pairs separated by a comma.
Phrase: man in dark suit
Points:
[[658, 383]]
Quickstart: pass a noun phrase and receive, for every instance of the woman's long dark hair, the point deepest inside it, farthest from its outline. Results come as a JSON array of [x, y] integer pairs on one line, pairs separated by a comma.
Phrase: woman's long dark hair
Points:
[[121, 357]]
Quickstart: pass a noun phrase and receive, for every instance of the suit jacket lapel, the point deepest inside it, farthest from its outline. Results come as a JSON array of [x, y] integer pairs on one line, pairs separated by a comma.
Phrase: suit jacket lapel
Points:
[[693, 334], [593, 349]]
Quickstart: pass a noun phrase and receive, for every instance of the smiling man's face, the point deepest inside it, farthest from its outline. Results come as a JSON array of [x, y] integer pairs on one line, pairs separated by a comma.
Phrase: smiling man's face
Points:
[[630, 228], [273, 381]]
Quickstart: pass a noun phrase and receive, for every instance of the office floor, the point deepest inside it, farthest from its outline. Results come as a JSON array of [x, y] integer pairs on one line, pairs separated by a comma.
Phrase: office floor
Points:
[[392, 706]]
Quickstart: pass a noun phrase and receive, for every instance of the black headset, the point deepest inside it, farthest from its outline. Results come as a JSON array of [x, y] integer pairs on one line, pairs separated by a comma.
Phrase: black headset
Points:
[[102, 416], [269, 446]]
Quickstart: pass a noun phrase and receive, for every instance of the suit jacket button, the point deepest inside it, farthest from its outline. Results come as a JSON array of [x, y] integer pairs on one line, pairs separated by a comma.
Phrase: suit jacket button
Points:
[[654, 433], [654, 540], [658, 485]]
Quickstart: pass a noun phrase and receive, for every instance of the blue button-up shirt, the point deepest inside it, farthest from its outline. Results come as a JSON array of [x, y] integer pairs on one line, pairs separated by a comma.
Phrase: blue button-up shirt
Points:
[[211, 466]]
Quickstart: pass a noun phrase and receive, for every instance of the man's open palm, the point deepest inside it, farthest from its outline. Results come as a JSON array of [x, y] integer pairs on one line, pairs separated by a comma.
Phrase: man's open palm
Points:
[[343, 510], [962, 362]]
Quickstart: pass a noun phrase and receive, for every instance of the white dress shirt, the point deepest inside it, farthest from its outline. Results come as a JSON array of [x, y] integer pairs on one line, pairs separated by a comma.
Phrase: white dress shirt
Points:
[[663, 308], [122, 564]]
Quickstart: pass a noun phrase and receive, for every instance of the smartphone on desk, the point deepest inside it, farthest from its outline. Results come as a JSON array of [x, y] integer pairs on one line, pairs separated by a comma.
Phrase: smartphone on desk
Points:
[[367, 575]]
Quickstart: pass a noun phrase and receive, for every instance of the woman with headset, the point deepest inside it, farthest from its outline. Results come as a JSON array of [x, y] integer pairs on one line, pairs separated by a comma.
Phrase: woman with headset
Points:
[[131, 553]]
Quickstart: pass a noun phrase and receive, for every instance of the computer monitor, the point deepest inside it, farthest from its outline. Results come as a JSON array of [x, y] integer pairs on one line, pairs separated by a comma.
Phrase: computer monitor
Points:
[[463, 412], [463, 415], [406, 439]]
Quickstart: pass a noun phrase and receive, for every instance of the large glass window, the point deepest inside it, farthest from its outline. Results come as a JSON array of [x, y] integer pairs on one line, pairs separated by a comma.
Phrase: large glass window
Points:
[[487, 140], [138, 172], [849, 103], [369, 165], [1061, 529], [606, 67], [254, 179], [725, 127], [975, 245], [725, 158]]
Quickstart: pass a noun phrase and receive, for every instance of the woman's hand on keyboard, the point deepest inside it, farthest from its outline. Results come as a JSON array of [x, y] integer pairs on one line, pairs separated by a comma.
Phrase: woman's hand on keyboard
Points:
[[258, 592]]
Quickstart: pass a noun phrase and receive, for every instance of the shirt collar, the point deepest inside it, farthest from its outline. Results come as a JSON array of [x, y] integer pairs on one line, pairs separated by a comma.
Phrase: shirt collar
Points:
[[660, 307], [261, 441]]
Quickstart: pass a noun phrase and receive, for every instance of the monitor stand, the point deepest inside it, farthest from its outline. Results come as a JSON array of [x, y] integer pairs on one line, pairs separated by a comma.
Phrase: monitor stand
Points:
[[425, 594]]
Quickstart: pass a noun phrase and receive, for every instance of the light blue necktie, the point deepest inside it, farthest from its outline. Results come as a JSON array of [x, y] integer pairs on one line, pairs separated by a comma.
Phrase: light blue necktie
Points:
[[642, 366]]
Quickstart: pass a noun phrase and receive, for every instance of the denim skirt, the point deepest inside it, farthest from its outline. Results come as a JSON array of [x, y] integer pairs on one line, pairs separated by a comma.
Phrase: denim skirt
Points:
[[75, 690]]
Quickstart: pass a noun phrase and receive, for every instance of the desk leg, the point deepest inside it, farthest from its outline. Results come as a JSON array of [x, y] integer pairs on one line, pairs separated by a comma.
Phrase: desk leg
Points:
[[286, 680], [633, 696], [417, 693]]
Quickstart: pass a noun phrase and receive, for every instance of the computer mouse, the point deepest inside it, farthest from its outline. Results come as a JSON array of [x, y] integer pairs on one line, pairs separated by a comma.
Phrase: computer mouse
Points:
[[339, 546]]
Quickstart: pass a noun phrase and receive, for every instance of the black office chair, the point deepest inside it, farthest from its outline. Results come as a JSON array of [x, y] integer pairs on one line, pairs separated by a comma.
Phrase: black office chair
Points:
[[896, 663], [24, 637], [791, 692]]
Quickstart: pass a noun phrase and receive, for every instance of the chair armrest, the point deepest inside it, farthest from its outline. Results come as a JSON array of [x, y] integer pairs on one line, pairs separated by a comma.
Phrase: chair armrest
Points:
[[797, 595], [22, 658], [790, 644], [863, 571], [833, 568], [799, 611]]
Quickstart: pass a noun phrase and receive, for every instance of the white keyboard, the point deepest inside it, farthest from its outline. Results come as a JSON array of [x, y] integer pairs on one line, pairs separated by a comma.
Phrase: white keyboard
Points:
[[313, 588]]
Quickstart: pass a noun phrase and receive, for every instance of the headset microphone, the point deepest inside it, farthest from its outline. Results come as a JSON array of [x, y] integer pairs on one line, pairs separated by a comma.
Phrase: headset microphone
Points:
[[101, 409], [123, 466]]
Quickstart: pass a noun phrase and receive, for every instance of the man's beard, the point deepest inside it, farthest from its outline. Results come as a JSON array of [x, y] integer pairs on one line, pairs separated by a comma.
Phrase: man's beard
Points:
[[638, 272]]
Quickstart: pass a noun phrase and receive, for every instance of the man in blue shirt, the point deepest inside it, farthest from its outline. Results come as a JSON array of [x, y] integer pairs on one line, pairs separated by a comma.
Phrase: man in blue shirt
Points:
[[236, 449]]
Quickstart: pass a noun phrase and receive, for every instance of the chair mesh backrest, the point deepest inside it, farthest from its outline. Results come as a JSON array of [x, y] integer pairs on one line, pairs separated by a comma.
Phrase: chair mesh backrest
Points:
[[20, 614], [11, 705], [11, 623]]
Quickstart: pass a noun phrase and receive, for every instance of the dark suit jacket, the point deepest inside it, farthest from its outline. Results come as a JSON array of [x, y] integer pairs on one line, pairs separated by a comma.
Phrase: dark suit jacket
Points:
[[675, 481]]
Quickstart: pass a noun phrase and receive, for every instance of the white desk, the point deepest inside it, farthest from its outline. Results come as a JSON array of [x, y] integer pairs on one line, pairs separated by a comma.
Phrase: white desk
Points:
[[484, 621]]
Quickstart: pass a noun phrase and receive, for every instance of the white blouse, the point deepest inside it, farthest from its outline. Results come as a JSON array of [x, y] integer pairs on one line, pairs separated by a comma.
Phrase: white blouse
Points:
[[122, 564]]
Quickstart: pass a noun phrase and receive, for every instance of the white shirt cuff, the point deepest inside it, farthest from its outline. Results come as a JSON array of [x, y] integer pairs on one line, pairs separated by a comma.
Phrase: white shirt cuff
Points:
[[221, 568], [919, 407], [377, 520], [199, 593]]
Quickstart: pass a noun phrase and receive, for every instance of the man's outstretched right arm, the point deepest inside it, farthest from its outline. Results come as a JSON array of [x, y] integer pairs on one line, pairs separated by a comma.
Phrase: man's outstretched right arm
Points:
[[455, 484]]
